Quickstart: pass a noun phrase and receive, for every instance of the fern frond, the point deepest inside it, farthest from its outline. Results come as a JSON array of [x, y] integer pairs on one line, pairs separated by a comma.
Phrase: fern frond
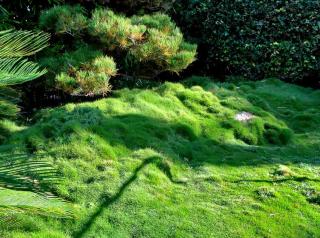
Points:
[[3, 12], [13, 202], [16, 70], [15, 174], [24, 185], [16, 44]]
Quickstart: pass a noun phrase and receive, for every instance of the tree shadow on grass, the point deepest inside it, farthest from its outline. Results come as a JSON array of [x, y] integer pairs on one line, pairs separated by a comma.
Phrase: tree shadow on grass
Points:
[[280, 180], [106, 202]]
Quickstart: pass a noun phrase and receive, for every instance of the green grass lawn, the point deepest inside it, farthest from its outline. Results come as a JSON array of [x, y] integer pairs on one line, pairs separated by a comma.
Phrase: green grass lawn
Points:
[[173, 162]]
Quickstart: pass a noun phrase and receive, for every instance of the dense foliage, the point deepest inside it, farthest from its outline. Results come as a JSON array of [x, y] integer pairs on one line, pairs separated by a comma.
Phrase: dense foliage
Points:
[[255, 39], [64, 19], [151, 39], [143, 46], [84, 71], [91, 78], [13, 69]]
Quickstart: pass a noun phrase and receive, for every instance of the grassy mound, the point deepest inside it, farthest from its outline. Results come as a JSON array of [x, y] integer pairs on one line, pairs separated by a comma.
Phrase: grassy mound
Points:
[[147, 117], [174, 161]]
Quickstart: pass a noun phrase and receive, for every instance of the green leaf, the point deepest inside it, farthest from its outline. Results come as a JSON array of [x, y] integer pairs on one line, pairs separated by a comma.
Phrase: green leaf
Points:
[[16, 71], [16, 44], [24, 185]]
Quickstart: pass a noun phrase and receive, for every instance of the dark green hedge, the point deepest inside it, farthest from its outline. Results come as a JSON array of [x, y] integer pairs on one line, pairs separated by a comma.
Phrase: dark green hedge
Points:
[[255, 39]]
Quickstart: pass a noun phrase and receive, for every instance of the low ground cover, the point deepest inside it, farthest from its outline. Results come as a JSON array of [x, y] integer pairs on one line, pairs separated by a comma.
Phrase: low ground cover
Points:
[[173, 161]]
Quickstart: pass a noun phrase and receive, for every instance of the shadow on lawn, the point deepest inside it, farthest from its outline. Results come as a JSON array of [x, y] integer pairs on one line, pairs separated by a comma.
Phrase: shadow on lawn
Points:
[[282, 180], [108, 201]]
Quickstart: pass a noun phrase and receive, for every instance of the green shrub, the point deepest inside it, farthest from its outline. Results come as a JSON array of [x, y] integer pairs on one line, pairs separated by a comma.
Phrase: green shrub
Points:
[[255, 39], [67, 62], [85, 71], [57, 62], [94, 78], [151, 40], [87, 78], [64, 19], [115, 30], [143, 46], [26, 12]]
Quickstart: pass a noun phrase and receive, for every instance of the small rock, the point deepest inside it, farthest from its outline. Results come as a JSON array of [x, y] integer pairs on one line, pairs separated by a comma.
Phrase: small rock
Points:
[[243, 116]]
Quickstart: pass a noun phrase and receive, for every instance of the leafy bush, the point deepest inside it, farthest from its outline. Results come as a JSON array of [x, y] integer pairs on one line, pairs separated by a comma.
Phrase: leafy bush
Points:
[[85, 71], [91, 79], [151, 39], [67, 60], [142, 46], [255, 39], [115, 30], [64, 19]]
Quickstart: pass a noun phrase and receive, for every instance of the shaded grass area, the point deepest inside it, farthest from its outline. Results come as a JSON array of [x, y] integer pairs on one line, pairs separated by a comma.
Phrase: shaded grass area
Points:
[[173, 162]]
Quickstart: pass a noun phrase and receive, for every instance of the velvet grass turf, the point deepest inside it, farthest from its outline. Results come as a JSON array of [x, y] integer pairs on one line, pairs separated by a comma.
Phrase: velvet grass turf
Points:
[[173, 162]]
